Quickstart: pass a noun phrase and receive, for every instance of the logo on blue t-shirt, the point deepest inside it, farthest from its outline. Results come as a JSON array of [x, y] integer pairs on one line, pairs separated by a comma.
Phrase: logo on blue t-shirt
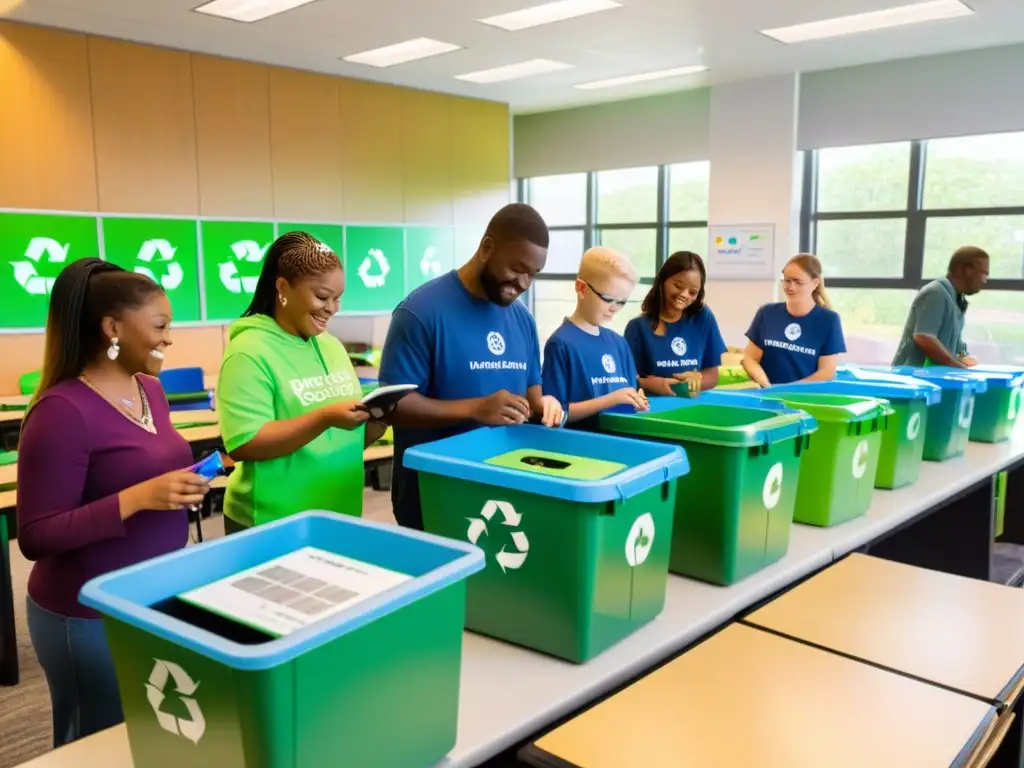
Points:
[[608, 362], [679, 345], [793, 331], [496, 343]]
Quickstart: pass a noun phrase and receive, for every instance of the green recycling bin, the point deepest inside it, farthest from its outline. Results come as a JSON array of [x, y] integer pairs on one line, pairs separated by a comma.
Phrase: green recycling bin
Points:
[[734, 510], [297, 644], [902, 451], [949, 423], [837, 474], [997, 409], [576, 528]]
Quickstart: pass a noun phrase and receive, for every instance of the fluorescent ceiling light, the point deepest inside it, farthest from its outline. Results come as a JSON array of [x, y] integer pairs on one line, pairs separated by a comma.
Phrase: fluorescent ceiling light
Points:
[[399, 53], [514, 71], [549, 13], [643, 77], [917, 13], [249, 10]]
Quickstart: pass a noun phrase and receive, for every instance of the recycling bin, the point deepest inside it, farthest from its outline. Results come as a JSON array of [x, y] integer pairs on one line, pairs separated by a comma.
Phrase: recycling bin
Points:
[[576, 528], [949, 423], [902, 450], [837, 474], [734, 510], [997, 409], [296, 644]]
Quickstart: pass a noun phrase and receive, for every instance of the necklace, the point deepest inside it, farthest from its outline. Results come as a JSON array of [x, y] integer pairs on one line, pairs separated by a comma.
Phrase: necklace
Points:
[[126, 405]]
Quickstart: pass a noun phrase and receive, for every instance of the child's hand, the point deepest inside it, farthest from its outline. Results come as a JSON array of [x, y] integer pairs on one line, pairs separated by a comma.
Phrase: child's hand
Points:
[[693, 381], [633, 397]]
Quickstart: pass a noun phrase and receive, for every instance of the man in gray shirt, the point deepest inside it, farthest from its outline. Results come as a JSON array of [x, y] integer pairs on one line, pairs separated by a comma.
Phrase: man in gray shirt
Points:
[[936, 320]]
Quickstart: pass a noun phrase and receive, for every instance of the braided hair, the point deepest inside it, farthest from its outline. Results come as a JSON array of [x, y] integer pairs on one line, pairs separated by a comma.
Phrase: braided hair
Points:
[[293, 256], [83, 294]]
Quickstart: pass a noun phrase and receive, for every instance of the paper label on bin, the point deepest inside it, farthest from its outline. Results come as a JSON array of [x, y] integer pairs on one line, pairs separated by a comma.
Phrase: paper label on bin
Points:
[[294, 591]]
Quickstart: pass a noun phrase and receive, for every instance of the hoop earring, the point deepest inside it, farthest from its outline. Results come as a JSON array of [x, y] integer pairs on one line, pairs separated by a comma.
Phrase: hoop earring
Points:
[[114, 349]]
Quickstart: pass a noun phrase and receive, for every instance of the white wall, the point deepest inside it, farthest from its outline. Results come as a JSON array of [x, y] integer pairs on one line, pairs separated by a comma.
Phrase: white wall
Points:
[[625, 134], [957, 94]]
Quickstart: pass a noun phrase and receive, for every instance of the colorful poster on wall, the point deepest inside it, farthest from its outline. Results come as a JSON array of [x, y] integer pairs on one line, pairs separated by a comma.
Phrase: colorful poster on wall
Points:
[[429, 252], [374, 269], [34, 249], [331, 235], [166, 250], [233, 254], [741, 251]]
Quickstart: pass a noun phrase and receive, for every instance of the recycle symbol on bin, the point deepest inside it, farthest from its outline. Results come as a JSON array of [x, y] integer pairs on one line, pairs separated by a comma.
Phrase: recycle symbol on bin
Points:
[[1016, 401], [966, 411], [245, 251], [161, 250], [163, 672], [25, 272], [508, 559]]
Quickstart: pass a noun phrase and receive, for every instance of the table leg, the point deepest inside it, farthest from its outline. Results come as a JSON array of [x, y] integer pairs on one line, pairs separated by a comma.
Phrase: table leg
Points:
[[955, 537], [1009, 754], [8, 636], [1013, 522]]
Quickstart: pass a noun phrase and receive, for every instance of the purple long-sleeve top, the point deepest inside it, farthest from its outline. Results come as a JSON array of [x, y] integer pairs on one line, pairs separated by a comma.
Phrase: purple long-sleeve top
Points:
[[75, 454]]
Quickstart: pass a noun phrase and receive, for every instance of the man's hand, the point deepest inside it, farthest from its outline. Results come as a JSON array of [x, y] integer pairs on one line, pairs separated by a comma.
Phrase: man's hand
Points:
[[969, 361]]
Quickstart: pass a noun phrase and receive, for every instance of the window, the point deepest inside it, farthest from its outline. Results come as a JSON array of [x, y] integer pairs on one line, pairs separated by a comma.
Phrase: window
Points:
[[644, 213], [886, 218]]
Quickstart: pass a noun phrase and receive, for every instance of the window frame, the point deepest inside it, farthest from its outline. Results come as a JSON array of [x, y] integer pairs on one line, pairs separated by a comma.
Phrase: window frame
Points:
[[916, 215]]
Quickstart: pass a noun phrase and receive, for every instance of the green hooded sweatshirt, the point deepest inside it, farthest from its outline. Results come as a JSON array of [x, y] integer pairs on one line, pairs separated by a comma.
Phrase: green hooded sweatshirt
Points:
[[270, 375]]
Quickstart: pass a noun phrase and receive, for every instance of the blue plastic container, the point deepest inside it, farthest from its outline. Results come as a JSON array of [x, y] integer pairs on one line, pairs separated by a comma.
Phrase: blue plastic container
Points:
[[576, 527], [323, 689], [998, 408], [903, 441], [949, 422]]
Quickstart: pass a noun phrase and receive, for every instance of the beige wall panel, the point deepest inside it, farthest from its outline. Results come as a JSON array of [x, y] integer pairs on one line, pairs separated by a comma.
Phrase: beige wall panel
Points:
[[427, 171], [372, 116], [480, 159]]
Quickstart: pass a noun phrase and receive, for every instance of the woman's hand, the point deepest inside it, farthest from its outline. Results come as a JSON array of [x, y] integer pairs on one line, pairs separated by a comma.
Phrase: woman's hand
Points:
[[693, 381], [172, 491], [633, 397], [552, 412], [349, 415]]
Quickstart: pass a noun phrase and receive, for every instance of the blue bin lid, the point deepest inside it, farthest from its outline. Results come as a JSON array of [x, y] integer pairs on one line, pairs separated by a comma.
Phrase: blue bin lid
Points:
[[463, 457], [959, 381], [893, 391], [128, 595], [996, 376]]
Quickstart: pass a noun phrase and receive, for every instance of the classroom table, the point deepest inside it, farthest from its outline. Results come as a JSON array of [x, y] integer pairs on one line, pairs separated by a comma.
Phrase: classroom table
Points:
[[749, 698], [509, 694]]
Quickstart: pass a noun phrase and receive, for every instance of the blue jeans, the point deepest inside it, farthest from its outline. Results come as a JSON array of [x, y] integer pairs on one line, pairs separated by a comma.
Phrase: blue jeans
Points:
[[79, 672]]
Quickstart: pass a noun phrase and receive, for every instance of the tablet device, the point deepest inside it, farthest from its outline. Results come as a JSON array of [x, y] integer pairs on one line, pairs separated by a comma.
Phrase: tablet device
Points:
[[383, 399]]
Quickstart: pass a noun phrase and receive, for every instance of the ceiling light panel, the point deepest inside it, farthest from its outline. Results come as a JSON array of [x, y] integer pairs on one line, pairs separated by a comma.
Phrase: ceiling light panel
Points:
[[249, 10], [400, 53], [514, 71], [548, 13], [643, 77], [918, 13]]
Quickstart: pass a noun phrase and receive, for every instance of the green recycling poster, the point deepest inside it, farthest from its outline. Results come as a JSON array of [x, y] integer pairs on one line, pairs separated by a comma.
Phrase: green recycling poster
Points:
[[35, 247], [209, 268], [166, 250]]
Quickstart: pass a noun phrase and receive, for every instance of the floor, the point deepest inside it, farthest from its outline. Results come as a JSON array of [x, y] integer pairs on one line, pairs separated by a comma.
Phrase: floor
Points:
[[25, 709]]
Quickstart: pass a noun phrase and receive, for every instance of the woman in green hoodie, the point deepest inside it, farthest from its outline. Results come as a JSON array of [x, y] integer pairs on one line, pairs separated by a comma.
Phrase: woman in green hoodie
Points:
[[288, 396]]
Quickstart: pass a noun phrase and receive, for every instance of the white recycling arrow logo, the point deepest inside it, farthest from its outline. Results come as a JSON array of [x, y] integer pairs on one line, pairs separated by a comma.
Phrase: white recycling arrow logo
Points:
[[640, 540], [914, 427], [966, 410], [164, 671], [1016, 399], [771, 491], [161, 250], [25, 271], [375, 280], [429, 265], [507, 559], [860, 459], [245, 251]]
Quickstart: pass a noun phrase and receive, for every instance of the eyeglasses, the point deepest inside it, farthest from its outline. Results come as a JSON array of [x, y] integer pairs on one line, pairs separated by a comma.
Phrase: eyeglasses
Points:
[[606, 299]]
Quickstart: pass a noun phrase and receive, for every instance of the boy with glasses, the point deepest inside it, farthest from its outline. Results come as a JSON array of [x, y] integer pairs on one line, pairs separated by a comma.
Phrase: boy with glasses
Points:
[[589, 368]]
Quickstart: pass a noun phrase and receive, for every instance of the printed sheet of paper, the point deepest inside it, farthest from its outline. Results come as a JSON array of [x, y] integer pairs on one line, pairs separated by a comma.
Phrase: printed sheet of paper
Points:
[[293, 591]]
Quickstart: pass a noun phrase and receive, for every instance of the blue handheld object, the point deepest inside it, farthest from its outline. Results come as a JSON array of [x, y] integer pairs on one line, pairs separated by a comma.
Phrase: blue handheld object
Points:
[[209, 467]]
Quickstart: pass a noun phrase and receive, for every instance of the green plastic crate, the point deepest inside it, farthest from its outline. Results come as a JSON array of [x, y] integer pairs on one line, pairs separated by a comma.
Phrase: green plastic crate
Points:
[[734, 510], [837, 474], [201, 695], [573, 565]]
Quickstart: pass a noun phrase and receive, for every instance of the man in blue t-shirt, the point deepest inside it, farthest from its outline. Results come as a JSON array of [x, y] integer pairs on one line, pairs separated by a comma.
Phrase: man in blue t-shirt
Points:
[[470, 347], [588, 368]]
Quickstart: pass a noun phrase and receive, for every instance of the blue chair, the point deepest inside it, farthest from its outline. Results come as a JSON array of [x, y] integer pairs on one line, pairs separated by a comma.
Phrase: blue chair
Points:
[[185, 389]]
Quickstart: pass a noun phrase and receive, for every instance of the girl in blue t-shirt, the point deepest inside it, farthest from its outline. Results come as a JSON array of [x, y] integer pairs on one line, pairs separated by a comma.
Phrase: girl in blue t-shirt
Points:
[[799, 339], [677, 337]]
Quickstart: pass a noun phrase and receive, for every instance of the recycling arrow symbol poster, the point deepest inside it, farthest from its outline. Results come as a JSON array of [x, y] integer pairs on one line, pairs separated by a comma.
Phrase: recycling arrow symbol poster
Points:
[[165, 250], [233, 254], [35, 248]]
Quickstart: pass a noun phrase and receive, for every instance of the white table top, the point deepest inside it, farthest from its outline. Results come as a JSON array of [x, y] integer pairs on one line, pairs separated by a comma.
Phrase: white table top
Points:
[[508, 693]]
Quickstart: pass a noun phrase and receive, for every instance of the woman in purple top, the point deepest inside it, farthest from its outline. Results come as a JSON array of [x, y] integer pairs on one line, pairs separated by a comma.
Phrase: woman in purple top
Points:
[[101, 483]]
